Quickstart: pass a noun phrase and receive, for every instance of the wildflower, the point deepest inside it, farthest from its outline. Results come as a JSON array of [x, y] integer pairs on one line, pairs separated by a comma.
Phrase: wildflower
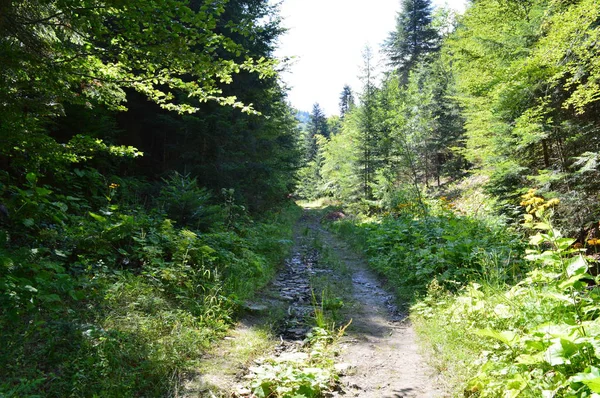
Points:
[[534, 204], [593, 242], [552, 202], [113, 186]]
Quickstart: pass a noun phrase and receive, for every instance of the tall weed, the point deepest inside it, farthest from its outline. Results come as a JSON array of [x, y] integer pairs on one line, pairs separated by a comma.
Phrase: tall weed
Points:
[[120, 302]]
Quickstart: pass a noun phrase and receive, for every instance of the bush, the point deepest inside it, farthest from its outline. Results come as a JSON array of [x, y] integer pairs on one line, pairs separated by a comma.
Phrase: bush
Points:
[[411, 252], [538, 337], [120, 302]]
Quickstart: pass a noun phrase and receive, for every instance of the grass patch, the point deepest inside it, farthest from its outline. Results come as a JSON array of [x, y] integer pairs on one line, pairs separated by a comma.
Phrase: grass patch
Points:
[[410, 252]]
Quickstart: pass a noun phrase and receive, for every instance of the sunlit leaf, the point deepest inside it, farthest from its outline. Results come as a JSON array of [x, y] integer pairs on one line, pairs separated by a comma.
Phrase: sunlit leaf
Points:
[[577, 266], [507, 337]]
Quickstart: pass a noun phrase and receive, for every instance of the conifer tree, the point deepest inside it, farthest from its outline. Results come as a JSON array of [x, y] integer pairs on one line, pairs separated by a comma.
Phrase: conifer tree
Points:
[[317, 126], [346, 100], [316, 136], [367, 139], [413, 38]]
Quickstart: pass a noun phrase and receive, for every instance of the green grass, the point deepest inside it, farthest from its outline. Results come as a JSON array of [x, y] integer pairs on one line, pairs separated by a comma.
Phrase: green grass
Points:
[[411, 252]]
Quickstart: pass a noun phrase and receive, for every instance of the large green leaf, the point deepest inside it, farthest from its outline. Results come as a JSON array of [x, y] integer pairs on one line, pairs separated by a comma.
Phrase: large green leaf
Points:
[[577, 266], [507, 337], [561, 352], [590, 379]]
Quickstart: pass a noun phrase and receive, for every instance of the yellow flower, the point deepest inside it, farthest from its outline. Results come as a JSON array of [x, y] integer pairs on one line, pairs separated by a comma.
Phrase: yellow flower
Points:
[[113, 186], [593, 242]]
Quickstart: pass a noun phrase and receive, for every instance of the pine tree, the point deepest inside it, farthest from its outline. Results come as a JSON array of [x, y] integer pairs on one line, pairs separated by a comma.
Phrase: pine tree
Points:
[[316, 135], [317, 126], [368, 137], [413, 38], [346, 100]]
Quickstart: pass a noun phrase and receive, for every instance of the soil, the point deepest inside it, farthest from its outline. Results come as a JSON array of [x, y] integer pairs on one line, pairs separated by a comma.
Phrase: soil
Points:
[[379, 347], [378, 356]]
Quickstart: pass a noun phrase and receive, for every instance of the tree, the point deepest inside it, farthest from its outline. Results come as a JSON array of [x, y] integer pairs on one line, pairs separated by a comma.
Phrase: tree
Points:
[[82, 50], [346, 100], [528, 76], [176, 53], [368, 138], [413, 38], [316, 126], [219, 145], [340, 171], [334, 124]]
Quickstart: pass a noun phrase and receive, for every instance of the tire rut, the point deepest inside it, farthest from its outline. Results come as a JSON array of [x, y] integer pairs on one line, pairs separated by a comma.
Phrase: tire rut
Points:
[[378, 356], [380, 349]]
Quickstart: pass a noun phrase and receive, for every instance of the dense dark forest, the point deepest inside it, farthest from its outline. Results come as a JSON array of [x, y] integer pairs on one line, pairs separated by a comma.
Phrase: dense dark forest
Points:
[[149, 158], [138, 140]]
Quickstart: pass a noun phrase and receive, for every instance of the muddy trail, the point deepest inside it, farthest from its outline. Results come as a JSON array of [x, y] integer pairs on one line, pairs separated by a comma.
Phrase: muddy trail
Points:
[[377, 357]]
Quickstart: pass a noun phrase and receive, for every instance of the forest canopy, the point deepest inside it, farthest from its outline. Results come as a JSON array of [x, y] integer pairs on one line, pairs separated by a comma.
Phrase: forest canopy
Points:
[[145, 145]]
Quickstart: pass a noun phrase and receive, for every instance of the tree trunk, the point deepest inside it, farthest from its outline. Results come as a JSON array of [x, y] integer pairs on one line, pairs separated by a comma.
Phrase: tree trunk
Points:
[[546, 154]]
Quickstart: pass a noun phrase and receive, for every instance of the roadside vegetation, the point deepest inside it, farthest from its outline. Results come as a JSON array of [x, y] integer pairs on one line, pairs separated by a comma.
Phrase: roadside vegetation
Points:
[[143, 198], [496, 317], [119, 301]]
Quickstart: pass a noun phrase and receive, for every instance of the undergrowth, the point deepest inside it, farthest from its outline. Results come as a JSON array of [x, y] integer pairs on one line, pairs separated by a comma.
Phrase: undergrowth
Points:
[[539, 337], [410, 251], [304, 374], [116, 300]]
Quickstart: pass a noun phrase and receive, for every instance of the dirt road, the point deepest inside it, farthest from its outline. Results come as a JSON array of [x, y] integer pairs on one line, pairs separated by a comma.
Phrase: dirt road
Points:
[[378, 355], [380, 346]]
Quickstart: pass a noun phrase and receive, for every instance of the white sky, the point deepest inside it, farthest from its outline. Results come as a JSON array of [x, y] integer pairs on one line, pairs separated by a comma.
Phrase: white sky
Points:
[[327, 38]]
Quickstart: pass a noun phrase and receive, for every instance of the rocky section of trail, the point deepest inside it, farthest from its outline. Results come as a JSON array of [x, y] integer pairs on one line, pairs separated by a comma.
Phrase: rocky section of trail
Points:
[[282, 311], [293, 285], [377, 358], [379, 353]]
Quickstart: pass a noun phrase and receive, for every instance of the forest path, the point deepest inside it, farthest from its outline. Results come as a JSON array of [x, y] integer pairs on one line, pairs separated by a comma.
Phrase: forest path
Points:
[[378, 355], [380, 345]]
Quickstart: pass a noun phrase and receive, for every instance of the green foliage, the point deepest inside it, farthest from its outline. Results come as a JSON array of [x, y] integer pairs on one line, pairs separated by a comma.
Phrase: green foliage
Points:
[[527, 79], [346, 101], [297, 375], [113, 283], [340, 156], [310, 176], [533, 338], [121, 302], [88, 51], [395, 138], [411, 252], [414, 36], [184, 201]]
